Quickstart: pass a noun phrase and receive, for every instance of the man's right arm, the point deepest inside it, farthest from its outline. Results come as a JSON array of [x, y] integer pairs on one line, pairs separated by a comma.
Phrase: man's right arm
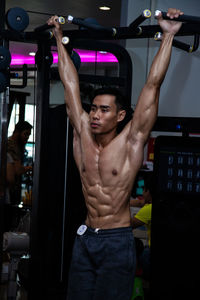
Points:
[[70, 80]]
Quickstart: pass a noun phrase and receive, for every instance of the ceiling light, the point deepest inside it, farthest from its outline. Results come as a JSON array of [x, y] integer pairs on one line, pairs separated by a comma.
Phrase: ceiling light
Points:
[[104, 7], [32, 53]]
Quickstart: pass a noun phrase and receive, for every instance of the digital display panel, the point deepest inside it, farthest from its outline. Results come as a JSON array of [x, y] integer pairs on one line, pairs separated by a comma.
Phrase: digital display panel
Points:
[[177, 165]]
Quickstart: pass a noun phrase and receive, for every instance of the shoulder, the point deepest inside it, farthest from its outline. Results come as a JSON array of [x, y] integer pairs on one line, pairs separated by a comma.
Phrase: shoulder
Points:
[[13, 149], [10, 142]]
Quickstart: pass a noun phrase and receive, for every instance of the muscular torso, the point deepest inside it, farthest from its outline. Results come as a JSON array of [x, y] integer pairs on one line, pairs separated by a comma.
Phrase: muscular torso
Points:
[[107, 176]]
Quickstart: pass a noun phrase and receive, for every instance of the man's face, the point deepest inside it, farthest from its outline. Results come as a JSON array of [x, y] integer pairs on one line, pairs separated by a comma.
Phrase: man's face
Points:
[[103, 114], [24, 136]]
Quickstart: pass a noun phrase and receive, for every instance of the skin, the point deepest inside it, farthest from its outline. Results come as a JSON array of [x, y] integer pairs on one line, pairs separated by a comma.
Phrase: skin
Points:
[[108, 163]]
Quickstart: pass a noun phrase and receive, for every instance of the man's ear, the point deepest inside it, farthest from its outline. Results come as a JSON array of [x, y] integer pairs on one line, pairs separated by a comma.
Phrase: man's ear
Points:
[[121, 115]]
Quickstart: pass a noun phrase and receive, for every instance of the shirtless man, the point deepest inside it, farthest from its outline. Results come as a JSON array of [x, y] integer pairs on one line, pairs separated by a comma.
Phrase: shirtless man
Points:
[[103, 262]]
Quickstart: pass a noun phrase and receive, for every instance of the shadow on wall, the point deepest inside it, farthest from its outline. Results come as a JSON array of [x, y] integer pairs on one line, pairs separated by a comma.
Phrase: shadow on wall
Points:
[[178, 80]]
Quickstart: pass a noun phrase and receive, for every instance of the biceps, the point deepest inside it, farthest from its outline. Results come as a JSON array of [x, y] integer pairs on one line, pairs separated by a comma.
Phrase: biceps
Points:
[[147, 107], [144, 119]]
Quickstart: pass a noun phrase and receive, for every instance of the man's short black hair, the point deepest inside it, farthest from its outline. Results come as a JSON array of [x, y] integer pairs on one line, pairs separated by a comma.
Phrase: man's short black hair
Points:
[[22, 125], [120, 100]]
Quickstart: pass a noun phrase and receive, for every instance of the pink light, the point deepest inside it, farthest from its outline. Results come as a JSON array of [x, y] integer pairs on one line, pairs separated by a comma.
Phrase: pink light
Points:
[[86, 56], [18, 59]]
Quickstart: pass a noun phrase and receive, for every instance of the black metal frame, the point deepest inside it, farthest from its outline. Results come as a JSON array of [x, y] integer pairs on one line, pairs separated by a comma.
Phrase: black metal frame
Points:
[[147, 31], [182, 125], [43, 83], [124, 80], [42, 104], [42, 123], [77, 38]]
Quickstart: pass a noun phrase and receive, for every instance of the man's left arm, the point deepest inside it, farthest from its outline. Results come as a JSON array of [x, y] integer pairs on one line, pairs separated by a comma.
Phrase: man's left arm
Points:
[[147, 106]]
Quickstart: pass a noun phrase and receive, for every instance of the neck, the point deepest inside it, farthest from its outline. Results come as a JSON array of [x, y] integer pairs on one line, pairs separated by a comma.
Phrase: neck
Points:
[[103, 140]]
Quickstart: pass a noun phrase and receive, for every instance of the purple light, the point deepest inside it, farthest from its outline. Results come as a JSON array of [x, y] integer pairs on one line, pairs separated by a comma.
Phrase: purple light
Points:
[[85, 55]]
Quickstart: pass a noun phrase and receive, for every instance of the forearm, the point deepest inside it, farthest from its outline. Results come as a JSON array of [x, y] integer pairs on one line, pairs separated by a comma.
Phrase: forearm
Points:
[[70, 80], [161, 61], [67, 70], [147, 106]]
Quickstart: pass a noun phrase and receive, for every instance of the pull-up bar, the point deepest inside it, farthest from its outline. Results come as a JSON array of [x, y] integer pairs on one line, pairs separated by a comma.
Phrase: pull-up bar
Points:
[[134, 25], [182, 18], [99, 32], [60, 20], [146, 14], [80, 22], [181, 45]]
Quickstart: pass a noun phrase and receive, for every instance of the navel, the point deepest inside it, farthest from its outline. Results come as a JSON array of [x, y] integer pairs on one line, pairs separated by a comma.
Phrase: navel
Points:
[[114, 172]]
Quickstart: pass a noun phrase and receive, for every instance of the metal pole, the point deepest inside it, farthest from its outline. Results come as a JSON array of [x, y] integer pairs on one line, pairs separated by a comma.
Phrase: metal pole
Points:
[[4, 97], [42, 107]]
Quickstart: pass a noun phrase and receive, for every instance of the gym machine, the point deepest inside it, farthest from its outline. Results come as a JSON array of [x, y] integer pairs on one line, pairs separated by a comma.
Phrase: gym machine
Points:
[[175, 218], [17, 22]]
